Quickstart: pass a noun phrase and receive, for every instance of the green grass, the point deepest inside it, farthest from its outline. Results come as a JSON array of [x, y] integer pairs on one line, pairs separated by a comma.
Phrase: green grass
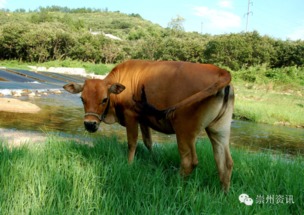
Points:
[[99, 69], [14, 64], [262, 105], [272, 96], [278, 78], [62, 177]]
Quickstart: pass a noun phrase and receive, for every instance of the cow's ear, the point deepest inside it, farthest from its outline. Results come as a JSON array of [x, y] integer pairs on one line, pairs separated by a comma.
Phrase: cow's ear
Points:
[[116, 88], [73, 88]]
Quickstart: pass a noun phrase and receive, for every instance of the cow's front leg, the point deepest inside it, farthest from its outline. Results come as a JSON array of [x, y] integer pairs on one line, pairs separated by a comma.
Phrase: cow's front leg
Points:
[[132, 135]]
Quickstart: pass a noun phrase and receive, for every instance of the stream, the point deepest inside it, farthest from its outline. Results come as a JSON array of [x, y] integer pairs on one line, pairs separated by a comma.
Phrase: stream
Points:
[[64, 114]]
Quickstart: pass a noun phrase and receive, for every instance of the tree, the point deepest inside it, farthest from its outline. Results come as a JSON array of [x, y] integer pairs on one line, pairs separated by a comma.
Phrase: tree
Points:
[[176, 24]]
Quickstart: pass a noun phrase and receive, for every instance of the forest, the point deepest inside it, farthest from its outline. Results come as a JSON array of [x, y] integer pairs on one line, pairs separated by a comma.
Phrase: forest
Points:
[[59, 33]]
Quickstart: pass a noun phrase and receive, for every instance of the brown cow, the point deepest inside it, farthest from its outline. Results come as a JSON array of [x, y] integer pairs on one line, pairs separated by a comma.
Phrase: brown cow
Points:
[[170, 97]]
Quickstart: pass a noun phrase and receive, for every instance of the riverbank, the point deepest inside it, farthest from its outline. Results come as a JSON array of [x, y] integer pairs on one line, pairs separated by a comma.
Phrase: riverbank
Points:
[[61, 177], [272, 96], [261, 104], [16, 138]]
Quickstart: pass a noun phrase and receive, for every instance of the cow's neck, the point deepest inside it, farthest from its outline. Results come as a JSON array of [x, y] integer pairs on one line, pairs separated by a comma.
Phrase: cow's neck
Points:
[[109, 117], [115, 113]]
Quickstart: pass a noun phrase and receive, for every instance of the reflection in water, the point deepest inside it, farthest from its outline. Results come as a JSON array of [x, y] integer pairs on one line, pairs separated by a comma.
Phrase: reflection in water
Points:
[[267, 137], [64, 113]]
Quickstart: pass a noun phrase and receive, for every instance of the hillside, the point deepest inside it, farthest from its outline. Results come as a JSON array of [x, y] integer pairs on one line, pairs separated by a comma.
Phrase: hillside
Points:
[[56, 33], [116, 23]]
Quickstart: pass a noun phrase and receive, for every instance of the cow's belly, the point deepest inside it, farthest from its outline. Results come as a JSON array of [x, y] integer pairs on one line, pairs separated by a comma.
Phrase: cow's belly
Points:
[[199, 116], [160, 125]]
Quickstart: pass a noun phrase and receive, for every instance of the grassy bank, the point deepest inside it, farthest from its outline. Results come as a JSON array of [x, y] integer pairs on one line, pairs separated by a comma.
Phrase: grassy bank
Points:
[[272, 96], [61, 177], [99, 69], [259, 104]]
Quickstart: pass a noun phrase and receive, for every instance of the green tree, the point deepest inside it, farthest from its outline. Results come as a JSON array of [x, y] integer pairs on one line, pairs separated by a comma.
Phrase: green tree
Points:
[[12, 42], [288, 53], [240, 50], [177, 23]]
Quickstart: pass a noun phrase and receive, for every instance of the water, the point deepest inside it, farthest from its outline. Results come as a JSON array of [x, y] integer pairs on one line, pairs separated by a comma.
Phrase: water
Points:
[[64, 113], [264, 137]]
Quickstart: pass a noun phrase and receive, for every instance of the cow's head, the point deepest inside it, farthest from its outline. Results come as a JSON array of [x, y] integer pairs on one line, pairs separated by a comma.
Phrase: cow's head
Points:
[[95, 96]]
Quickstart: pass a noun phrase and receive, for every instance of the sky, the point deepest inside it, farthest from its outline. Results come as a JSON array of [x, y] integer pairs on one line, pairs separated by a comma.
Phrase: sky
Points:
[[280, 19]]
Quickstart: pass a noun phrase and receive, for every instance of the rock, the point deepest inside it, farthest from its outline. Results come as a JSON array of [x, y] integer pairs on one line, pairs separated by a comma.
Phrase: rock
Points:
[[57, 92], [17, 106], [32, 94], [16, 94], [26, 91]]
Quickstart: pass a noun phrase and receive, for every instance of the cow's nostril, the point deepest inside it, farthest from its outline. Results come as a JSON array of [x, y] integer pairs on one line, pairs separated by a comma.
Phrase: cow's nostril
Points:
[[91, 126]]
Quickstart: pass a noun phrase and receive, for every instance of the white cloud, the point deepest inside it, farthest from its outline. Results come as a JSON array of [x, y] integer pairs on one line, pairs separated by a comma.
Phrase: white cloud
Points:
[[225, 4], [297, 34], [218, 19], [2, 3]]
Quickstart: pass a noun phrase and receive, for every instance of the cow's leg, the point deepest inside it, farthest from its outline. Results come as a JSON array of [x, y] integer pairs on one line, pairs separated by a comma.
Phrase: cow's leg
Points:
[[187, 151], [187, 125], [132, 135], [146, 135], [219, 137]]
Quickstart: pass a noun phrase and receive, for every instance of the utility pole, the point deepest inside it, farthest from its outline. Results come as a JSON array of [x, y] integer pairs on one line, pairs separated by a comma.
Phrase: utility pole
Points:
[[248, 13]]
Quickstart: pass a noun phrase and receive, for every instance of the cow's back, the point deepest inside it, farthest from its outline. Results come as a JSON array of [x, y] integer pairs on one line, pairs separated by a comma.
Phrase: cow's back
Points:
[[166, 82]]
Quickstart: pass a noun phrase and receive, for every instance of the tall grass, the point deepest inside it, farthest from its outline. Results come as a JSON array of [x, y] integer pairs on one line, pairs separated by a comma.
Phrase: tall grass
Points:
[[63, 177]]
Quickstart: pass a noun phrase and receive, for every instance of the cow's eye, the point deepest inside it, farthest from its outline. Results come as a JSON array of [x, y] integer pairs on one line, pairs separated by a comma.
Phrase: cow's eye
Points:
[[104, 101]]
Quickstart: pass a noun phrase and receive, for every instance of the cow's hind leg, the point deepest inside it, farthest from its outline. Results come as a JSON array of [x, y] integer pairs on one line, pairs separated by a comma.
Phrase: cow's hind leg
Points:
[[219, 137], [187, 151], [146, 136]]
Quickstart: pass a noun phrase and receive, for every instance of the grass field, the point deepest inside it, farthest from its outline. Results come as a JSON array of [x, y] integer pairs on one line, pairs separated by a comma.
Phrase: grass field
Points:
[[63, 177]]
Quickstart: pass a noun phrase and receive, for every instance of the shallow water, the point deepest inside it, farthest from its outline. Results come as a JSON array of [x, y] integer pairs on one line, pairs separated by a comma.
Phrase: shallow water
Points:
[[64, 113]]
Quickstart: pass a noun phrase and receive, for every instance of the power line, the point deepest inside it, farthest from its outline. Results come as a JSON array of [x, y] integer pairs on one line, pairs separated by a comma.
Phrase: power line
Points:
[[248, 13]]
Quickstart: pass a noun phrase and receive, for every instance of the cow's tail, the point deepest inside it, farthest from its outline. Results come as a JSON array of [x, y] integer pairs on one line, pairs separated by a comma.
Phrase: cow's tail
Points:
[[228, 100]]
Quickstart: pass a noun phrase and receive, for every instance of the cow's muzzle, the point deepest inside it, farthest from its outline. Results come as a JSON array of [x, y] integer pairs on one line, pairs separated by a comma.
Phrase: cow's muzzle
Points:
[[91, 125]]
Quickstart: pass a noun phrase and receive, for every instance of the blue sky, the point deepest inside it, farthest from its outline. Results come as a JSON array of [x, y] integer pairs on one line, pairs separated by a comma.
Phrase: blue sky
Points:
[[277, 18]]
